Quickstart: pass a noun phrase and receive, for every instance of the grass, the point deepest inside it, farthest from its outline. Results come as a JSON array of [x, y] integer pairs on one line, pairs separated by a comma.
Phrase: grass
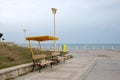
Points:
[[14, 55]]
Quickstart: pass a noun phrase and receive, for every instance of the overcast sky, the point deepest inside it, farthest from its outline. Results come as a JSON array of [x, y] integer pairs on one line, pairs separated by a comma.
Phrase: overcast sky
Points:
[[77, 21]]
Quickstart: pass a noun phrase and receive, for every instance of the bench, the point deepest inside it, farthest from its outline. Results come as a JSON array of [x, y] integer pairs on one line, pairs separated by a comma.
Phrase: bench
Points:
[[66, 54], [40, 61], [57, 58]]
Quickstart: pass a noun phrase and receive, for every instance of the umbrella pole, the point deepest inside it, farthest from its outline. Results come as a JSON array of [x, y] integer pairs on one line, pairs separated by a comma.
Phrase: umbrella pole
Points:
[[30, 45], [40, 47]]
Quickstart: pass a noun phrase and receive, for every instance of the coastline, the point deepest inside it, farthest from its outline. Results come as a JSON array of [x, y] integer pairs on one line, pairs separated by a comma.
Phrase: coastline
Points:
[[72, 46]]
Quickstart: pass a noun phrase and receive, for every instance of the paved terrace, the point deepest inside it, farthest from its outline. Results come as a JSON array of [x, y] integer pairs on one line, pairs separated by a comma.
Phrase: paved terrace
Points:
[[74, 69], [83, 66]]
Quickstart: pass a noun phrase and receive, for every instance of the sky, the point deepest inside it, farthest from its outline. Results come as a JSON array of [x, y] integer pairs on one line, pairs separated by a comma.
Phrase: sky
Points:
[[77, 21]]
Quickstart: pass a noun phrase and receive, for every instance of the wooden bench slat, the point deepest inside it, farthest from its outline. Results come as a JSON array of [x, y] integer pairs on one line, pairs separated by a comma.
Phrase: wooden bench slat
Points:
[[42, 62], [55, 56]]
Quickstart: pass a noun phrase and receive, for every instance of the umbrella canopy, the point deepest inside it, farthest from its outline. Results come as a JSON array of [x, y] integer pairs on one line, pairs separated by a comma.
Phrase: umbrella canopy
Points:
[[41, 38]]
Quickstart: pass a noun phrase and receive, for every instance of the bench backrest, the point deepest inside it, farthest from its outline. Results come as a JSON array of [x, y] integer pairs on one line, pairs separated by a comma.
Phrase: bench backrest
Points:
[[55, 54], [38, 57]]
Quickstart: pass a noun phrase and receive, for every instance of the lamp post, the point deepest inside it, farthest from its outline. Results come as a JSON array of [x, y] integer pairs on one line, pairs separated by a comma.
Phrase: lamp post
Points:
[[24, 30], [54, 12]]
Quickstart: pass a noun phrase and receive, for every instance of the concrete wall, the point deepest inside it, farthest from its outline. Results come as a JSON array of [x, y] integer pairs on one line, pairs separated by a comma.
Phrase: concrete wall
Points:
[[8, 43], [12, 72]]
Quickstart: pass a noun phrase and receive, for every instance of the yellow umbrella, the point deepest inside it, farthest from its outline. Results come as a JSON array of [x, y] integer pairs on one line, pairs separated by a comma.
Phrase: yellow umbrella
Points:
[[41, 38]]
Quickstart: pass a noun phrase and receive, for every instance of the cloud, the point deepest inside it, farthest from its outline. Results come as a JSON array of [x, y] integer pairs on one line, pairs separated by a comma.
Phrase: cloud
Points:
[[72, 17]]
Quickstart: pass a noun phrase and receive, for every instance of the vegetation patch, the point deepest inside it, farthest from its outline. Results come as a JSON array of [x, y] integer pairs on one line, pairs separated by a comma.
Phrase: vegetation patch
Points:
[[14, 55]]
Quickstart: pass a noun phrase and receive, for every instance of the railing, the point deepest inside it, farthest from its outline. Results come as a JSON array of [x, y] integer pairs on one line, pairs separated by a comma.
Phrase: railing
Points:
[[82, 46]]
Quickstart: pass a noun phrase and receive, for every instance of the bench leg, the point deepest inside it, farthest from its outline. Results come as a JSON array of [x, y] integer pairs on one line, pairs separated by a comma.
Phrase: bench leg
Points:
[[58, 61], [51, 64], [64, 60], [39, 68], [33, 66]]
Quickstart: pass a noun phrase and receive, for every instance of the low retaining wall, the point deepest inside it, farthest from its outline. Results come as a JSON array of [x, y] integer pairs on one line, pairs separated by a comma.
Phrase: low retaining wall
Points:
[[8, 43], [12, 72]]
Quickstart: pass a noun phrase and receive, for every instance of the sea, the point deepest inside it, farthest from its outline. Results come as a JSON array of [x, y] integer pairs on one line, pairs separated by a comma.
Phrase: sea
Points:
[[72, 46]]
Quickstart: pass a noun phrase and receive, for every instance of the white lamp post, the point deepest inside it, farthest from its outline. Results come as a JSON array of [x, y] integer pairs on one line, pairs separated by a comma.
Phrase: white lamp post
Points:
[[24, 30], [54, 12]]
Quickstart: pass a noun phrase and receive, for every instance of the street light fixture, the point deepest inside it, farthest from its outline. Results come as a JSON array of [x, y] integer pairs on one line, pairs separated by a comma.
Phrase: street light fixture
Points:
[[54, 12]]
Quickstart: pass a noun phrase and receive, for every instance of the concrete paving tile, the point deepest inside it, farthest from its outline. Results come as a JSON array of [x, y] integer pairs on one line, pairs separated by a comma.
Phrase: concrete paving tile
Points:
[[58, 74], [74, 65], [70, 69], [105, 69]]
